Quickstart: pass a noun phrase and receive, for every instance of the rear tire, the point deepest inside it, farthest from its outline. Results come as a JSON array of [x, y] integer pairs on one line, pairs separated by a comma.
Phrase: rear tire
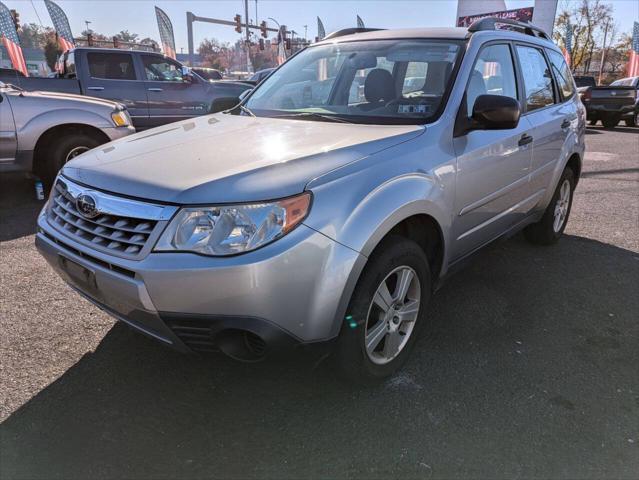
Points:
[[611, 121], [63, 150], [552, 225], [593, 121], [375, 341], [632, 121]]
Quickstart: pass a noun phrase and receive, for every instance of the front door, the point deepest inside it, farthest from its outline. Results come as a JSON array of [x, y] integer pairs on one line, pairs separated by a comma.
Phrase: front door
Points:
[[112, 76], [492, 165], [172, 96], [8, 142]]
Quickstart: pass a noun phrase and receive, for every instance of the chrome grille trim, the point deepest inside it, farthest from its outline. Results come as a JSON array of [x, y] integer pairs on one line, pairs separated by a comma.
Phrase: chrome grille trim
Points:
[[124, 228]]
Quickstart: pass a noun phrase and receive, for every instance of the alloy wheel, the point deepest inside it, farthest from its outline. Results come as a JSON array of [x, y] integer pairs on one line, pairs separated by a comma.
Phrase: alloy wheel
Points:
[[561, 207], [392, 315], [74, 152]]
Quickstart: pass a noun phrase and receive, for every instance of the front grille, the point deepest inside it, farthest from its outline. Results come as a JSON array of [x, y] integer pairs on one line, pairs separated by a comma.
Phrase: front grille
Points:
[[120, 227]]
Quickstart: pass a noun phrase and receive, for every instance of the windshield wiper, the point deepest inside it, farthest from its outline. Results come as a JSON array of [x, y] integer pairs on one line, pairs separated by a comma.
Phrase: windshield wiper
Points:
[[246, 110], [318, 116]]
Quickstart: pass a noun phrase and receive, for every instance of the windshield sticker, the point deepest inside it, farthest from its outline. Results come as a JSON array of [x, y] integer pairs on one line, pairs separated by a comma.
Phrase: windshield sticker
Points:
[[413, 108]]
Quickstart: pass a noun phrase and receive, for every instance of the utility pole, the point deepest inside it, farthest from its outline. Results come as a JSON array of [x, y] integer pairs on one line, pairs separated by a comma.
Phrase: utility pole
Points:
[[248, 37], [603, 53]]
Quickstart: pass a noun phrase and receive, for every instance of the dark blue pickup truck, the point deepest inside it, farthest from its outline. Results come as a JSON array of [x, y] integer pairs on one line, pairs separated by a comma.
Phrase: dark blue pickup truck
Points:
[[154, 88]]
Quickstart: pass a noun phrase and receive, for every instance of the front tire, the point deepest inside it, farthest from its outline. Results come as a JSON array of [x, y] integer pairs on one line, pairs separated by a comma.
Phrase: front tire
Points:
[[63, 150], [385, 313], [552, 225]]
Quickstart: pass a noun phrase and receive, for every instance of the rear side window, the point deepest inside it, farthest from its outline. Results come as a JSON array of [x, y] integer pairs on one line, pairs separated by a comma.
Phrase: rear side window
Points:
[[537, 78], [111, 66], [562, 73], [493, 74]]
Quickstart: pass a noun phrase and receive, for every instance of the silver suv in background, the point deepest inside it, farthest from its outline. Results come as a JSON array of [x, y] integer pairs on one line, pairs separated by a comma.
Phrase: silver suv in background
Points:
[[41, 131], [328, 206]]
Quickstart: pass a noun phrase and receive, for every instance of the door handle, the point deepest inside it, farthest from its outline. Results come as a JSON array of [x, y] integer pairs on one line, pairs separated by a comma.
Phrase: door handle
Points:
[[154, 89], [98, 89], [525, 140], [565, 123]]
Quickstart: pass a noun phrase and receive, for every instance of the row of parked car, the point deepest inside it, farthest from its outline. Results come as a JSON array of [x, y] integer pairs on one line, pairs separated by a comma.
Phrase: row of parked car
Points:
[[100, 95]]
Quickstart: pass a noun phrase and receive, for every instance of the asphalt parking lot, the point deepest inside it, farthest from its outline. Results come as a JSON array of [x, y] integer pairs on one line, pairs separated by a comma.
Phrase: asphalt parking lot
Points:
[[529, 369]]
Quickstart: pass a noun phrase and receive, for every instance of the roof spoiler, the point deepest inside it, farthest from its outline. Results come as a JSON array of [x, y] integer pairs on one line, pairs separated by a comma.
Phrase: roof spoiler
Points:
[[490, 23], [350, 31]]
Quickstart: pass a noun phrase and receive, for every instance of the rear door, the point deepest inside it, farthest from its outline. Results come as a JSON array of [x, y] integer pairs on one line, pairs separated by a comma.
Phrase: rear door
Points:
[[492, 165], [552, 118], [112, 75], [172, 96]]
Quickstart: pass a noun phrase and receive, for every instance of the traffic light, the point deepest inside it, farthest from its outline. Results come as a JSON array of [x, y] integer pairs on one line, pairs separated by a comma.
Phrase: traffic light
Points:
[[238, 23], [263, 29], [261, 43], [16, 19]]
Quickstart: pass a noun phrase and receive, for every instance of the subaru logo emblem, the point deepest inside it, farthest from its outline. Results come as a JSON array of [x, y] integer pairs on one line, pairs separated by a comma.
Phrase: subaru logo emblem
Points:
[[86, 206]]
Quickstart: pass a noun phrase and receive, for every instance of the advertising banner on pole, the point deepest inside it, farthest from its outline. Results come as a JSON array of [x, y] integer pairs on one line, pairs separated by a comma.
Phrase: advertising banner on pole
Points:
[[166, 32], [61, 25]]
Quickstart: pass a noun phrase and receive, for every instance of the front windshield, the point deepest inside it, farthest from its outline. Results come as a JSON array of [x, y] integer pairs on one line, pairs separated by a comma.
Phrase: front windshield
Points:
[[389, 81]]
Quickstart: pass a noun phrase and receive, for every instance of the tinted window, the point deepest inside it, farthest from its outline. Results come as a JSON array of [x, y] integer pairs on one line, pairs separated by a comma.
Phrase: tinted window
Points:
[[160, 69], [113, 66], [562, 73], [493, 74], [537, 78]]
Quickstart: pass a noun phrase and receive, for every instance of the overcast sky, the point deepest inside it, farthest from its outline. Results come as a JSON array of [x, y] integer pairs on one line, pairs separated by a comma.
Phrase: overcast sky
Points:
[[138, 16]]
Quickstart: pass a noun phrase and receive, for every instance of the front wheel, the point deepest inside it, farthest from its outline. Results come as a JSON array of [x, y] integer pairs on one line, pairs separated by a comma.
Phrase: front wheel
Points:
[[385, 313], [552, 225], [63, 150]]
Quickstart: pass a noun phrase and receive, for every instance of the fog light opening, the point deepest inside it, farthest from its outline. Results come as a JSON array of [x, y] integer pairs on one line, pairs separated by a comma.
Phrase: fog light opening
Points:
[[241, 345]]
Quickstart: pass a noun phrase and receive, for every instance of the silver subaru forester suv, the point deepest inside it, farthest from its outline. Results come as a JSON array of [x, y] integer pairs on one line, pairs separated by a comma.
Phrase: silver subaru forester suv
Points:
[[328, 206]]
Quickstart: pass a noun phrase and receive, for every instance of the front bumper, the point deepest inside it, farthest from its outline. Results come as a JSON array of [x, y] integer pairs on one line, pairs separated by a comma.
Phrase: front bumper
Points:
[[289, 292], [115, 133]]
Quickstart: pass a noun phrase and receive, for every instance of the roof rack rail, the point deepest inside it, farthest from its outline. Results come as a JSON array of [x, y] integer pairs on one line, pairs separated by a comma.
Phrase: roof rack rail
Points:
[[490, 23], [350, 31]]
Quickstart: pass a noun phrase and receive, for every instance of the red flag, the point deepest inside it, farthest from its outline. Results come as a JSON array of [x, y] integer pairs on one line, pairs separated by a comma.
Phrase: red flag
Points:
[[11, 41], [15, 55]]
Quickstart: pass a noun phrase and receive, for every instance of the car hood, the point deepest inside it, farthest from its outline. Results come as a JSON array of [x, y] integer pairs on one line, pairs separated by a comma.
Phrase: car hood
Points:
[[225, 158], [67, 99]]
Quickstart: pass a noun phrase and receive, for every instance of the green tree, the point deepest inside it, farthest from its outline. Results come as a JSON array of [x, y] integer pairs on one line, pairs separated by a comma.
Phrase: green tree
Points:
[[588, 20], [52, 50]]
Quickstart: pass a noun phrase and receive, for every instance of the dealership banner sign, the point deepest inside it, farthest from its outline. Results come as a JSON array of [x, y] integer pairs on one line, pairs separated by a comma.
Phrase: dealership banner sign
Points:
[[519, 14]]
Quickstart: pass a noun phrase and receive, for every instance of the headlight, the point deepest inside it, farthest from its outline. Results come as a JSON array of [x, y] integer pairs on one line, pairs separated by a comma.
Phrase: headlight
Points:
[[233, 229], [121, 118]]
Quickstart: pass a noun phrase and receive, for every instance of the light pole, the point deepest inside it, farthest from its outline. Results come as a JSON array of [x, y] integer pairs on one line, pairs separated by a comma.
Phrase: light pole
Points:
[[87, 22], [276, 22]]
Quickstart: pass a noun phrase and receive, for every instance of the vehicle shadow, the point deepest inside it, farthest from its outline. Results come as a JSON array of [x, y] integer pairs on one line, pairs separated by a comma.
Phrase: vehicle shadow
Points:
[[528, 361], [618, 128], [18, 206]]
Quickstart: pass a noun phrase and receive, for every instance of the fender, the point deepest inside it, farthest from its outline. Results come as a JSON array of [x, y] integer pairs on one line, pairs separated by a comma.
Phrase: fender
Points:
[[378, 213], [32, 130]]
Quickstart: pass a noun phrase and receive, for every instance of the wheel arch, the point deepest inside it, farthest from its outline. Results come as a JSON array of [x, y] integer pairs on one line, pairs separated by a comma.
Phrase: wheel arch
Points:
[[49, 136]]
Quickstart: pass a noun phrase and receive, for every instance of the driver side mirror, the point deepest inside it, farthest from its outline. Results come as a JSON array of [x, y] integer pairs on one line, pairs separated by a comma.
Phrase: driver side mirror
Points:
[[495, 112]]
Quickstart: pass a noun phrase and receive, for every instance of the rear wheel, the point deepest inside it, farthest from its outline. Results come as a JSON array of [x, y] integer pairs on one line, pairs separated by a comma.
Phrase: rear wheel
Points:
[[632, 121], [385, 313], [552, 225], [611, 121], [593, 121], [63, 150]]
